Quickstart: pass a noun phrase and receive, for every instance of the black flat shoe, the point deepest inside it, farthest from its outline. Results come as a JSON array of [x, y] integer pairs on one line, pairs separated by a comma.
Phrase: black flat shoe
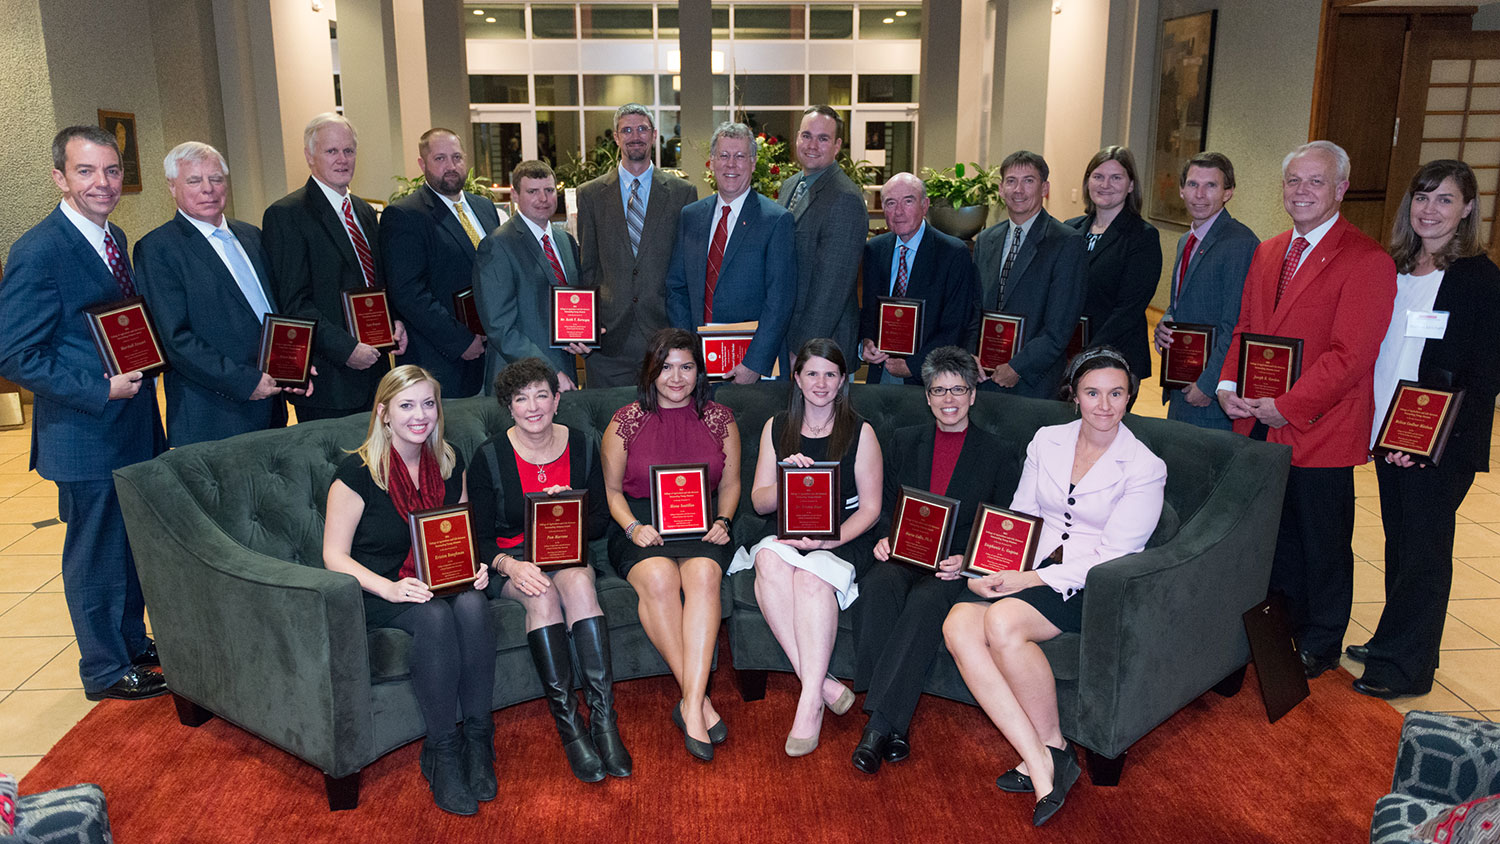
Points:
[[1358, 653], [147, 658], [719, 733], [1015, 782], [869, 751], [1314, 665], [897, 747], [1373, 689], [135, 685], [703, 750], [1065, 772]]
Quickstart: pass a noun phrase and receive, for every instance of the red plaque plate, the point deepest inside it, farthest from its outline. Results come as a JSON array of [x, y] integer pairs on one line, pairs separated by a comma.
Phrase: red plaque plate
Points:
[[723, 351], [557, 533], [1418, 422], [575, 316], [367, 315], [900, 326], [466, 311], [1002, 540], [679, 500], [1182, 362], [126, 337], [1000, 337], [807, 501], [286, 345], [1269, 365], [922, 527], [443, 547]]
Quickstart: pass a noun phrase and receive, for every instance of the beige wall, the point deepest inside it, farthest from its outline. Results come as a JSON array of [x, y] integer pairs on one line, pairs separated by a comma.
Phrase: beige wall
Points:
[[25, 89], [1075, 99]]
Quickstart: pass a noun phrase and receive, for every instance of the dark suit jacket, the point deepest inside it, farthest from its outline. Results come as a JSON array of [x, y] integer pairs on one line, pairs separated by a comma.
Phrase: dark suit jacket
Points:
[[312, 262], [1124, 268], [212, 336], [978, 477], [942, 276], [632, 288], [757, 278], [428, 258], [1210, 295], [1046, 286], [77, 432], [832, 225], [1339, 303], [512, 279]]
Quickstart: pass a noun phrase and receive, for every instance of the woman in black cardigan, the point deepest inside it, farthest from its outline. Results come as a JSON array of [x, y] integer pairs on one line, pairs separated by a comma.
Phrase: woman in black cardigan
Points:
[[539, 455], [1124, 257], [1443, 270]]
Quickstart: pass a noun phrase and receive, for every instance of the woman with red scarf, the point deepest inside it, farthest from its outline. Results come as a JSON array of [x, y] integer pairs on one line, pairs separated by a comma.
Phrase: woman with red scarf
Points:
[[405, 466]]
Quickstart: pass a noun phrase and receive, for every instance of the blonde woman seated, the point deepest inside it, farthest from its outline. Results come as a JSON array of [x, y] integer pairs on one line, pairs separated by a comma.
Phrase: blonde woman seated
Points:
[[1099, 492], [801, 584]]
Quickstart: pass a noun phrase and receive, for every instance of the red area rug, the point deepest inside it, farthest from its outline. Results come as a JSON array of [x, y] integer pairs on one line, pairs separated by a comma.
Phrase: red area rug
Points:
[[1216, 772]]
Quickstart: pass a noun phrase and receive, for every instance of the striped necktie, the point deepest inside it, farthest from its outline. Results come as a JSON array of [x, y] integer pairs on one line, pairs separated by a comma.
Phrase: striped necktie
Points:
[[635, 216], [557, 269], [361, 246]]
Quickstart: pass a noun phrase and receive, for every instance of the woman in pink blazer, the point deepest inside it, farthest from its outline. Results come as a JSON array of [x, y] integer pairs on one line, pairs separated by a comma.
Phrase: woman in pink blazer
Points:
[[1098, 490]]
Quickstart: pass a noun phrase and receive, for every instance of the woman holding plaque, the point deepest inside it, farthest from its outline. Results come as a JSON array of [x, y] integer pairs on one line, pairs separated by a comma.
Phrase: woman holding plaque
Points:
[[672, 422], [898, 618], [1098, 490], [538, 455], [1441, 336], [802, 583], [404, 466]]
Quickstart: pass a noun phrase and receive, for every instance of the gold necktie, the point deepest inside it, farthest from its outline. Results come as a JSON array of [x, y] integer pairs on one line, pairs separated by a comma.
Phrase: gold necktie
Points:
[[463, 220]]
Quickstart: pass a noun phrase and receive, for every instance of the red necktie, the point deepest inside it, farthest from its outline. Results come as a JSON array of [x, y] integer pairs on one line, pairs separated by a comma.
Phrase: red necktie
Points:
[[552, 257], [1187, 255], [117, 266], [901, 277], [1289, 268], [361, 246], [715, 258]]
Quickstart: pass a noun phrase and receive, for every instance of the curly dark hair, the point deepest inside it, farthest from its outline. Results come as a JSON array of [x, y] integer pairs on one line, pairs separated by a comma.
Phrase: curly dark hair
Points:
[[522, 374]]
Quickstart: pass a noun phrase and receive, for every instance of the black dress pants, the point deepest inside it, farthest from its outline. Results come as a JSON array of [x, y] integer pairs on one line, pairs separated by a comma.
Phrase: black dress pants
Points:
[[898, 625], [1314, 563]]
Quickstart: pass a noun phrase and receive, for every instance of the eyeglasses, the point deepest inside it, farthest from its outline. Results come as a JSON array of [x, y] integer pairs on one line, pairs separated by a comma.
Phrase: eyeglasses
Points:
[[960, 391]]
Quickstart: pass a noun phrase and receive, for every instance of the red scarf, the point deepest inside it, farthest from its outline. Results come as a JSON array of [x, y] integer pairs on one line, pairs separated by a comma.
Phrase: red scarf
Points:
[[408, 499]]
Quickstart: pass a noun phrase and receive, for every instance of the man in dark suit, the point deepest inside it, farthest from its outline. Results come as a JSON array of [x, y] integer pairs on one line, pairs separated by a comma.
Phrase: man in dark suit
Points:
[[517, 267], [1207, 281], [85, 424], [322, 241], [625, 236], [428, 240], [1035, 267], [205, 277], [735, 258], [832, 225], [1333, 288], [915, 261]]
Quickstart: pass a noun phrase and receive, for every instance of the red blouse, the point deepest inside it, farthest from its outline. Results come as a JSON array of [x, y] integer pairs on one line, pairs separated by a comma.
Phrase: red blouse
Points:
[[536, 478], [945, 450]]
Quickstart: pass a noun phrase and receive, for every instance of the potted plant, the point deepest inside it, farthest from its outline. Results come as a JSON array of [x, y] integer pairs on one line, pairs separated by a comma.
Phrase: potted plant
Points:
[[961, 198], [406, 187]]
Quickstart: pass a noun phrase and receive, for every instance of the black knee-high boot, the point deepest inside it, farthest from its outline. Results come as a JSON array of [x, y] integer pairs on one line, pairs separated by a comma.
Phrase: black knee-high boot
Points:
[[549, 650], [591, 640]]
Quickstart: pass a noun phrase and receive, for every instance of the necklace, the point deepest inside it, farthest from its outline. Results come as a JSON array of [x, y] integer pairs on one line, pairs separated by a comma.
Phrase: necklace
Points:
[[818, 430], [541, 468]]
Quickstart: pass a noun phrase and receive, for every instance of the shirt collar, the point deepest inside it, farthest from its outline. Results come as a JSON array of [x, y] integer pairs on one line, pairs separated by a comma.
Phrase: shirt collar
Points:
[[334, 197], [90, 230], [206, 229], [626, 177], [1199, 231], [445, 200], [736, 204], [1318, 233], [916, 238], [1026, 226], [536, 230]]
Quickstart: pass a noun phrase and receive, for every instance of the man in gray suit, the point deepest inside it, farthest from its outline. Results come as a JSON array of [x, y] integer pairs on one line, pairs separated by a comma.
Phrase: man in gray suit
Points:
[[832, 225], [514, 273], [1035, 267], [627, 223], [1207, 282]]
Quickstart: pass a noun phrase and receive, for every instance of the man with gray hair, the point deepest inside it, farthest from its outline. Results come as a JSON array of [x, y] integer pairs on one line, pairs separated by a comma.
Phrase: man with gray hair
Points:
[[627, 223], [1327, 285], [208, 283], [735, 259]]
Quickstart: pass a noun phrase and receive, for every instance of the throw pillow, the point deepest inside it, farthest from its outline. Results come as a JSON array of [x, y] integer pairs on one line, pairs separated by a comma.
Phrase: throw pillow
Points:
[[1474, 822], [7, 805]]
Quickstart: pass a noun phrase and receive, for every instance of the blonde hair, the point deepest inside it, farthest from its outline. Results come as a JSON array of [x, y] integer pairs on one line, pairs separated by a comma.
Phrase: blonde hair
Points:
[[376, 449]]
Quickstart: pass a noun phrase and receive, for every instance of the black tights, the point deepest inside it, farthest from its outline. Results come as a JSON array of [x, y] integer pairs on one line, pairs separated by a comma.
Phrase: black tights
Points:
[[452, 657]]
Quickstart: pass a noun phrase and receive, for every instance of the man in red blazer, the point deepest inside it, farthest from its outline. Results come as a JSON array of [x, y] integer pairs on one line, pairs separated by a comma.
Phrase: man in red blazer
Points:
[[1329, 285]]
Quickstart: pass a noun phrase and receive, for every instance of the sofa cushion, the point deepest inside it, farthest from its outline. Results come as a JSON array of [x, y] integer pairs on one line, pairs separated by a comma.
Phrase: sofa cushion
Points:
[[77, 813], [1447, 758], [1474, 822], [1397, 815]]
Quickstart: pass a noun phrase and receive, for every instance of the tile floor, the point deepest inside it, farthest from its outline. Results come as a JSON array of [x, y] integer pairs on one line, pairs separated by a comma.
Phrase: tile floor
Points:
[[41, 697]]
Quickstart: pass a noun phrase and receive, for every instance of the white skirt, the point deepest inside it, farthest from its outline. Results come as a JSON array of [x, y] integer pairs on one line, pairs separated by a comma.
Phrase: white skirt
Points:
[[825, 564]]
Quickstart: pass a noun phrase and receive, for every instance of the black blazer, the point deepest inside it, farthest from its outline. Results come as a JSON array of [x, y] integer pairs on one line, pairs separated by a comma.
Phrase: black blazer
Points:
[[976, 479], [942, 276], [1123, 270], [1465, 358], [499, 506]]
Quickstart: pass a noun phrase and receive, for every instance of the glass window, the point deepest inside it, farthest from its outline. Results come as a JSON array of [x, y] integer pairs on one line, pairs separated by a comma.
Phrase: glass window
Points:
[[497, 151], [830, 90], [556, 136], [671, 89], [669, 135], [720, 21], [763, 89], [556, 90], [495, 21], [887, 88], [599, 129], [610, 21], [498, 89], [552, 22], [615, 89], [667, 26], [831, 22], [887, 22], [770, 22], [772, 123]]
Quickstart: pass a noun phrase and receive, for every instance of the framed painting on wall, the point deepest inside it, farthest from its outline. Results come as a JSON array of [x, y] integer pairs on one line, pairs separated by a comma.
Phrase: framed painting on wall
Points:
[[121, 124], [1187, 59]]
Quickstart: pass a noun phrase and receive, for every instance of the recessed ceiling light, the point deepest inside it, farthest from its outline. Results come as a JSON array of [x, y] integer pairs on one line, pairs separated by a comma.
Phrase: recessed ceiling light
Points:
[[889, 20], [901, 14], [478, 11], [489, 20]]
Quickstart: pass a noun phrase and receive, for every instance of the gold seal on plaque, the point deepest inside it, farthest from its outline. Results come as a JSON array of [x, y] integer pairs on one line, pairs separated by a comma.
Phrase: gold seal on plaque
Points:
[[1007, 525], [369, 301], [557, 509], [681, 480], [807, 480], [1268, 353], [446, 526], [291, 334], [925, 511], [123, 320], [1422, 401]]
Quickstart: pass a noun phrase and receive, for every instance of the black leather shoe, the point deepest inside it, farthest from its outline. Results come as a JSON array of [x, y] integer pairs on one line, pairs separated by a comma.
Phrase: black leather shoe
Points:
[[719, 733], [702, 750], [147, 658], [1015, 782], [897, 747], [1358, 653], [869, 751], [1373, 689], [1065, 772], [1313, 665], [135, 685]]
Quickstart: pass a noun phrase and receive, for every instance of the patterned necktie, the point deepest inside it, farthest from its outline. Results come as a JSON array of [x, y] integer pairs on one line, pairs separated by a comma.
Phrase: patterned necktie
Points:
[[552, 257], [1187, 255], [463, 220], [361, 246], [901, 273], [635, 217], [243, 275], [1289, 268], [118, 267], [715, 258], [798, 195], [1010, 258]]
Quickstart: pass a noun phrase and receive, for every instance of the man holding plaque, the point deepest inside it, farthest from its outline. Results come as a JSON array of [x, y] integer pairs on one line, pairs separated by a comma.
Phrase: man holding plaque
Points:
[[428, 241], [914, 261], [735, 258], [85, 424], [1207, 281], [322, 241], [1331, 287]]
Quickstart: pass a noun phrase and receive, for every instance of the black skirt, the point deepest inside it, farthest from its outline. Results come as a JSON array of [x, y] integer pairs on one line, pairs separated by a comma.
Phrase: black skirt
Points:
[[624, 553]]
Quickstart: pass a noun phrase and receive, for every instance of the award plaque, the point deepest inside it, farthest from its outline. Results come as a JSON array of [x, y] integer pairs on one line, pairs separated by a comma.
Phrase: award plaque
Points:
[[725, 346], [1079, 340], [575, 316], [1000, 337], [286, 346], [1002, 540], [1269, 365], [922, 527], [126, 338], [807, 501], [367, 315], [443, 547], [900, 326], [1418, 422], [679, 500], [466, 311], [557, 533], [1183, 362]]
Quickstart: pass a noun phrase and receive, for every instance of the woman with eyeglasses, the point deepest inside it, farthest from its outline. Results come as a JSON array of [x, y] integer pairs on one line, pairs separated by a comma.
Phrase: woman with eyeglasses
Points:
[[898, 619]]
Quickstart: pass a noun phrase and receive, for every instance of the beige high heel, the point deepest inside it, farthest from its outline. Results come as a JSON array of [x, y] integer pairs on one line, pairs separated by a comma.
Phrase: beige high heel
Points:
[[842, 705]]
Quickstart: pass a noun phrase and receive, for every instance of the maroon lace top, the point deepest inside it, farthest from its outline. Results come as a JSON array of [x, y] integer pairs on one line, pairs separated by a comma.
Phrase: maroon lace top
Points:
[[673, 435]]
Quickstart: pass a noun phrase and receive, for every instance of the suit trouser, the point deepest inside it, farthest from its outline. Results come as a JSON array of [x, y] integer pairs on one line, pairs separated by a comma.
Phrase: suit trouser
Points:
[[1314, 562], [99, 582], [898, 625], [606, 371], [1418, 508], [1179, 410]]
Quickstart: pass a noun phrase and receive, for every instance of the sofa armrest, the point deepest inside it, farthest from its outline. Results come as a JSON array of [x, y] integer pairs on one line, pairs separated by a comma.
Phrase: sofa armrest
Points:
[[1447, 758], [275, 647]]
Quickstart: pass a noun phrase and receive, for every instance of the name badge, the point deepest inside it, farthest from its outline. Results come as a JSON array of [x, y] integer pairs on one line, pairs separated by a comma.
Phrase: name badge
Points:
[[1429, 324]]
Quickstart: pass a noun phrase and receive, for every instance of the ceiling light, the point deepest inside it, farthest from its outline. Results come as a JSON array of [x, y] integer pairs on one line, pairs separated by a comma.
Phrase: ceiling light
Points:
[[478, 11], [889, 20], [489, 20], [901, 14]]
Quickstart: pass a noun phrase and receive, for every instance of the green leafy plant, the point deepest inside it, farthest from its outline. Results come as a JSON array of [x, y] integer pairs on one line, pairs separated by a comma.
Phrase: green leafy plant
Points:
[[583, 168], [407, 187], [774, 164], [961, 185]]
